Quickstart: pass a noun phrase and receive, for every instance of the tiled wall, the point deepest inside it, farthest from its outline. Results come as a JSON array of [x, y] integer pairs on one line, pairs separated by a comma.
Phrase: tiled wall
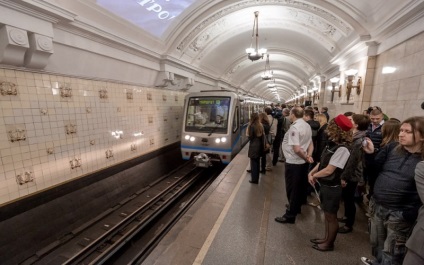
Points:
[[57, 128], [401, 93]]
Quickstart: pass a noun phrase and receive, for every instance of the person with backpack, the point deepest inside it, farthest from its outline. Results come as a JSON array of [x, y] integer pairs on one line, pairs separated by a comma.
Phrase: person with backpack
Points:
[[285, 126], [328, 174], [352, 173], [266, 156], [273, 121]]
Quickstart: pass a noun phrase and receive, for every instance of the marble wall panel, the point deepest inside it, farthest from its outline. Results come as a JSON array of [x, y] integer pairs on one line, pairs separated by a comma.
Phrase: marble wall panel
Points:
[[401, 93], [68, 119]]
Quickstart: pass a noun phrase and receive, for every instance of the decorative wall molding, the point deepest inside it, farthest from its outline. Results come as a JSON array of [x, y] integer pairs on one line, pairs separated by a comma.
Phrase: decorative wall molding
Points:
[[191, 41], [17, 134], [173, 81], [25, 177], [103, 94], [71, 128], [41, 47], [75, 162], [13, 45], [8, 88], [130, 95], [65, 91], [109, 153]]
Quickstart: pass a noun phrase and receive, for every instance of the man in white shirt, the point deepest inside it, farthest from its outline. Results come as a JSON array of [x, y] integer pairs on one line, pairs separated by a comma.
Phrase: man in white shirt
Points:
[[297, 148]]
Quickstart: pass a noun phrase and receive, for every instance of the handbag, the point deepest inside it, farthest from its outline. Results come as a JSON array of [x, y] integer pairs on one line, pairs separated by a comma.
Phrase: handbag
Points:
[[267, 145]]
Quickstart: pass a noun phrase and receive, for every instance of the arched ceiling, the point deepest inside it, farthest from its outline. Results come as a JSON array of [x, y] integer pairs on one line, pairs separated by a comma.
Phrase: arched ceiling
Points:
[[304, 38]]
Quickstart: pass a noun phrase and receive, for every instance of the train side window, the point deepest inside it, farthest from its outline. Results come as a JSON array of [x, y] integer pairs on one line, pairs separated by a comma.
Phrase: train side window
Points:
[[236, 120]]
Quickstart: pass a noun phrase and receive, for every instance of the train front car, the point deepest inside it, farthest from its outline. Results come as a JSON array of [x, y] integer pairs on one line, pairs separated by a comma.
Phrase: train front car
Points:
[[211, 127]]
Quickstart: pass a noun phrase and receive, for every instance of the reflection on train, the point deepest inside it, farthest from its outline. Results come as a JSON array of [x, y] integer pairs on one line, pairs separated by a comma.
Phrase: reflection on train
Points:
[[214, 125]]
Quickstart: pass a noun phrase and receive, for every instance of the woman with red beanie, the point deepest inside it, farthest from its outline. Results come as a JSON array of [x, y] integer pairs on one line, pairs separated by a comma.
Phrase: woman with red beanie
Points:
[[327, 173]]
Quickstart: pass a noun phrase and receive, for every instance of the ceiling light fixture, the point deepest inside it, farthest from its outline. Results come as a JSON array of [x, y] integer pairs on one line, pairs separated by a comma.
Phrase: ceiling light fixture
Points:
[[255, 53], [267, 75], [271, 85]]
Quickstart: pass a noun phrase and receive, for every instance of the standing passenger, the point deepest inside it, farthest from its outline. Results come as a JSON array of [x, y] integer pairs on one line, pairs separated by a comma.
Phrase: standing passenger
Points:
[[322, 137], [324, 110], [327, 173], [285, 128], [395, 202], [255, 133], [415, 243], [352, 173], [374, 133], [297, 148], [266, 156]]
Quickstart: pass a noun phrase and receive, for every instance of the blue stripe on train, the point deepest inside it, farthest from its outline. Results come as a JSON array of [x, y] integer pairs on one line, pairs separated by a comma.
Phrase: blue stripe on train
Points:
[[206, 148]]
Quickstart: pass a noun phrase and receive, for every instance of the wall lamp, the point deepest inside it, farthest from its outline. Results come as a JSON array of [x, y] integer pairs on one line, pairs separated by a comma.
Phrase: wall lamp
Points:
[[334, 82], [350, 75]]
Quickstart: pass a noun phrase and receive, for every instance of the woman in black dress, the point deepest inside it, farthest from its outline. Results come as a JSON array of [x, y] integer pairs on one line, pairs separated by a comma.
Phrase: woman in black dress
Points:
[[327, 173], [255, 132]]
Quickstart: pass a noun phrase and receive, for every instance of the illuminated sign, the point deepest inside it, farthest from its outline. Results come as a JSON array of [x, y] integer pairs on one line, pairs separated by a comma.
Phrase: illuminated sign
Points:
[[154, 16]]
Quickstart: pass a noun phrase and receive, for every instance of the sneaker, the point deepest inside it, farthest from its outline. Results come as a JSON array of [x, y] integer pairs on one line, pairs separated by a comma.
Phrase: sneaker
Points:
[[366, 261]]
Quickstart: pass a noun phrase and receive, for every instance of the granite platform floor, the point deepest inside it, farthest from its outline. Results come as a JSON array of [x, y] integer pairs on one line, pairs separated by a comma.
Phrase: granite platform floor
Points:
[[233, 223]]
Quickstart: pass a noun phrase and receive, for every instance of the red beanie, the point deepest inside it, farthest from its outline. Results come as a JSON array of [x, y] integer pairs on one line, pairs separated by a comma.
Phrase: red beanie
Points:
[[343, 122]]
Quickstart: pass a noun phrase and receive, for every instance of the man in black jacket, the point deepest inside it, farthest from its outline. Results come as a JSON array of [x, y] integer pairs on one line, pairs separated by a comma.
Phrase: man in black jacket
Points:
[[374, 133], [308, 116], [395, 202], [324, 110], [278, 117]]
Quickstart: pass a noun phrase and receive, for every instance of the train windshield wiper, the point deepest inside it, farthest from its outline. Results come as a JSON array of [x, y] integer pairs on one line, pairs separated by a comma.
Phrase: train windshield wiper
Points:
[[213, 129]]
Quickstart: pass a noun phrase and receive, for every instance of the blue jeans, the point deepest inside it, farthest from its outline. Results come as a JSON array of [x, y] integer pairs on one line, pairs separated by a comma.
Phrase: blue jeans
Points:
[[388, 234]]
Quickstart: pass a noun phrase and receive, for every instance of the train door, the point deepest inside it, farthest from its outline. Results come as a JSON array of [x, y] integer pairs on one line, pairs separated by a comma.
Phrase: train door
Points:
[[235, 130]]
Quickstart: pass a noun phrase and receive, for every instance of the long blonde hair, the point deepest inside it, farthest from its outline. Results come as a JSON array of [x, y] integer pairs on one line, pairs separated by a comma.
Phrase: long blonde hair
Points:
[[322, 119]]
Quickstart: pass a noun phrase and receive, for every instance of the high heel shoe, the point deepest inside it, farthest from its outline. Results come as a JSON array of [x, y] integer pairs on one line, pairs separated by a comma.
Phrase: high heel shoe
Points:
[[317, 241], [323, 249]]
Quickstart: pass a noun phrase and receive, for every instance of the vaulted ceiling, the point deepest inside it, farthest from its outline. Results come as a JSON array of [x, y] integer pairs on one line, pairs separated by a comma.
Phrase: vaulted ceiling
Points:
[[305, 39]]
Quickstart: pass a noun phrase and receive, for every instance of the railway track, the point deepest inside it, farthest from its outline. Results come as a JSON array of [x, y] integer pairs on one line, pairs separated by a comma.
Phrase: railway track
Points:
[[128, 232]]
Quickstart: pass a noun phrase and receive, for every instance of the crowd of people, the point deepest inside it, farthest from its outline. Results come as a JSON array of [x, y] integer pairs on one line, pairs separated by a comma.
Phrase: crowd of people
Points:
[[367, 158]]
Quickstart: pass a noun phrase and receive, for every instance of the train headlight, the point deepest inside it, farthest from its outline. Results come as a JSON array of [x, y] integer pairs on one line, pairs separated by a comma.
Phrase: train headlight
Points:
[[187, 137], [223, 139], [192, 139], [217, 140]]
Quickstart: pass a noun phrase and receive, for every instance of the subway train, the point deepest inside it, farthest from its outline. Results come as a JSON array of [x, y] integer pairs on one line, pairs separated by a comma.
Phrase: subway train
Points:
[[214, 125]]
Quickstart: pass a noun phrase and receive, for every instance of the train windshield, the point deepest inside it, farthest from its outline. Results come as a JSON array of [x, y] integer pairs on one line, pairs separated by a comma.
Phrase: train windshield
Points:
[[207, 114]]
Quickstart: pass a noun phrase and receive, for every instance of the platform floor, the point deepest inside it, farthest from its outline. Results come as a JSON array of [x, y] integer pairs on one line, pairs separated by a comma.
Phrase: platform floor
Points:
[[233, 223]]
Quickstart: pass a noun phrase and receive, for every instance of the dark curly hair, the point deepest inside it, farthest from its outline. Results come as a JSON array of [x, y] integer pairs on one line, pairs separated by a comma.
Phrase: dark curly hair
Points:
[[337, 135]]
